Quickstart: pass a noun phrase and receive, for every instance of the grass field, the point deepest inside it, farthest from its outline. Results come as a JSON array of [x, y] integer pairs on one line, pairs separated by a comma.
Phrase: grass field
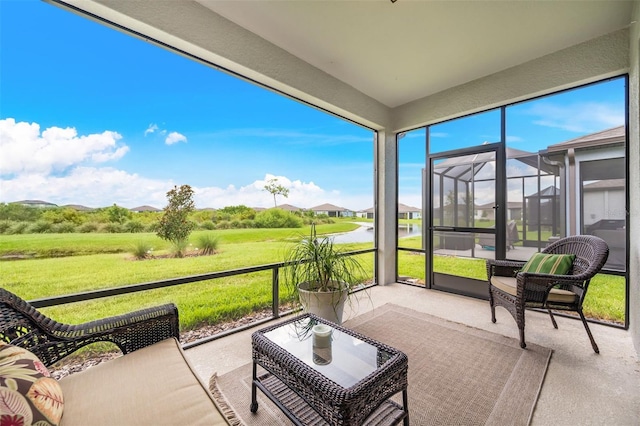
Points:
[[99, 261], [59, 264], [605, 298]]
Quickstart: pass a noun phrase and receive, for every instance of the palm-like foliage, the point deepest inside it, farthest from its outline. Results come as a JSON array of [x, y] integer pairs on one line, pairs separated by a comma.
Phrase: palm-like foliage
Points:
[[321, 264]]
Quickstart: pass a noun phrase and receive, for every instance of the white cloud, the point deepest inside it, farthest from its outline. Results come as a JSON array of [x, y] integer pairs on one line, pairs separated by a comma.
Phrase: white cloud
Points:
[[59, 166], [581, 117], [175, 137], [89, 186], [151, 129], [27, 151]]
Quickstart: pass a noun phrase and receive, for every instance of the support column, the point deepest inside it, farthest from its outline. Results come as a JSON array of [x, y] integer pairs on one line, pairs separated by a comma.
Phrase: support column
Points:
[[386, 223]]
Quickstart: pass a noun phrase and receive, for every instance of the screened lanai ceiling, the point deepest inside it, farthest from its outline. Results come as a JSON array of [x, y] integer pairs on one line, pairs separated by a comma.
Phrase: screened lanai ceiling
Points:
[[402, 51], [466, 168]]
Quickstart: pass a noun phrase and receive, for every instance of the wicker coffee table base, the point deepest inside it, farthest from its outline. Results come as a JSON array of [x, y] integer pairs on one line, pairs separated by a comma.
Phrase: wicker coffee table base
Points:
[[300, 413]]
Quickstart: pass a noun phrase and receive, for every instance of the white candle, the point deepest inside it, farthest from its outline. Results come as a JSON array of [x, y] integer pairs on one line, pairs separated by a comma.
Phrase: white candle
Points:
[[321, 336]]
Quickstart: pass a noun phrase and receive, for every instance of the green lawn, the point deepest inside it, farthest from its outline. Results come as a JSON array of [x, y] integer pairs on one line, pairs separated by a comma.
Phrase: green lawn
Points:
[[98, 261], [199, 303], [605, 298]]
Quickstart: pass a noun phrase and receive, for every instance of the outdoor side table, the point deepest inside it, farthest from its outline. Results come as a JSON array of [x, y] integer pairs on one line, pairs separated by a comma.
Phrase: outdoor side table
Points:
[[348, 382]]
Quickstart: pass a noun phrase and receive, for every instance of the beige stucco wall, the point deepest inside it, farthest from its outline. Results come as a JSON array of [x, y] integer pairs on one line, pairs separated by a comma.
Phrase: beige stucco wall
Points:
[[634, 176]]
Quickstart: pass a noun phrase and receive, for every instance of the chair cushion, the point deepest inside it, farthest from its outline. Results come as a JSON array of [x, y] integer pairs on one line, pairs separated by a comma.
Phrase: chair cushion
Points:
[[544, 263], [155, 385], [509, 285], [27, 394]]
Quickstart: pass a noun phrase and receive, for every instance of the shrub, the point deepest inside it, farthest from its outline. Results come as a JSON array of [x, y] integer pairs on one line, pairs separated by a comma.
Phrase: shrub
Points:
[[39, 227], [142, 250], [87, 227], [5, 225], [18, 228], [277, 218], [248, 223], [152, 227], [207, 224], [235, 224], [207, 244], [133, 226], [63, 228], [223, 224], [112, 228]]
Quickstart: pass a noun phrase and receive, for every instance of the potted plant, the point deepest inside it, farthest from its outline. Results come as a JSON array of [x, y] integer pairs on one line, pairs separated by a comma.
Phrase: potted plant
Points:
[[322, 275]]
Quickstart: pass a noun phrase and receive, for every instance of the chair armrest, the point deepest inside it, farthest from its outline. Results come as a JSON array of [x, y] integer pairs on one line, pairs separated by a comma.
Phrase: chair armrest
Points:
[[130, 332], [543, 283], [503, 268]]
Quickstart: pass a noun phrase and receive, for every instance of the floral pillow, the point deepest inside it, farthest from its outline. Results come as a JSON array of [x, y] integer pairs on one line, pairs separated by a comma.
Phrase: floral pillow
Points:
[[28, 396]]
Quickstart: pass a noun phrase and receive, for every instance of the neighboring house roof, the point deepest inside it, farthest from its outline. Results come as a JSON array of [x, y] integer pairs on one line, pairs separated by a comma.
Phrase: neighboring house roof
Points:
[[145, 209], [606, 184], [369, 210], [79, 207], [611, 136], [289, 207], [328, 208], [403, 208], [35, 203]]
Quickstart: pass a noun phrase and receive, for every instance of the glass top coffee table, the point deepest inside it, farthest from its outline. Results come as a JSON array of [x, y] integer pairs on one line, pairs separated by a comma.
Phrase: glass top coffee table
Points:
[[328, 374]]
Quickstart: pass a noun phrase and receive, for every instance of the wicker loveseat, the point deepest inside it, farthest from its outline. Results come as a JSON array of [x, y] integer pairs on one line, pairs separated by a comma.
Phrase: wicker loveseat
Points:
[[152, 384]]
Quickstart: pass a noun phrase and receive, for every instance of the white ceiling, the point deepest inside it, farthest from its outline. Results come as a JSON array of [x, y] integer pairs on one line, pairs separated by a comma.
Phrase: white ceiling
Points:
[[399, 52]]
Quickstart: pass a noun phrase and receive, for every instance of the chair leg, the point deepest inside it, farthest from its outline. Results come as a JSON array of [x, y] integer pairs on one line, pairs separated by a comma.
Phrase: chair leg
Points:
[[553, 320], [586, 327], [493, 306], [520, 322]]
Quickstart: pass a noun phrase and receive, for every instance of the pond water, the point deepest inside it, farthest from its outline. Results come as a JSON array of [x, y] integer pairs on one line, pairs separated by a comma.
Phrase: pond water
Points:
[[364, 233]]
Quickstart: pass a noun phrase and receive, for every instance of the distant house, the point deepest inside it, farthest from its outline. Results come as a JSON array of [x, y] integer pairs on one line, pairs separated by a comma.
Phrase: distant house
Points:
[[408, 212], [142, 209], [35, 203], [332, 210], [289, 208], [488, 211], [367, 213], [78, 207]]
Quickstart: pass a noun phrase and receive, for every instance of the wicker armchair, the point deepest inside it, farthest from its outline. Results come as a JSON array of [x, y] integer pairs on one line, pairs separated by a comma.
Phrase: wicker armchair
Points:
[[22, 325], [516, 290]]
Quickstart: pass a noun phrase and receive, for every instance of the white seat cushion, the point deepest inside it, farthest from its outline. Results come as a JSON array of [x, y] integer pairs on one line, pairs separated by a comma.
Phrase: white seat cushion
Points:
[[509, 285], [151, 386]]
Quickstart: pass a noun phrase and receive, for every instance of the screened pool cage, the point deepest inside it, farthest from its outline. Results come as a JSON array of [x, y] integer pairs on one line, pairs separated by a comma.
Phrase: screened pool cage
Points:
[[464, 194]]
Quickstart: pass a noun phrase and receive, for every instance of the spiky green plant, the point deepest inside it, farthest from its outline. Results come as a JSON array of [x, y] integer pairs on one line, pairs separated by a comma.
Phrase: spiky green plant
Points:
[[321, 264], [141, 250], [207, 244]]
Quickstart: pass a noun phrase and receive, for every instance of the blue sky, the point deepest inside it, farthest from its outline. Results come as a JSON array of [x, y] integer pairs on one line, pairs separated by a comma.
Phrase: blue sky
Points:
[[106, 118], [531, 126], [92, 116]]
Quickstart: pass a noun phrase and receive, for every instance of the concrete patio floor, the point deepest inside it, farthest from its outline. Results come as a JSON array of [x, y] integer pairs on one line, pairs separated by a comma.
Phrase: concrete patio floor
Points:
[[580, 388]]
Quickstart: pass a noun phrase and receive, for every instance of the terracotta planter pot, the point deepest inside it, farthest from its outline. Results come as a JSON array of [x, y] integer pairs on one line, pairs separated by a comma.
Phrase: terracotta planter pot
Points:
[[325, 304]]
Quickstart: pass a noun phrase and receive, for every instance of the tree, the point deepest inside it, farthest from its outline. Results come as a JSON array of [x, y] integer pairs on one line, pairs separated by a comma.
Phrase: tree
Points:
[[174, 225], [276, 189], [118, 214]]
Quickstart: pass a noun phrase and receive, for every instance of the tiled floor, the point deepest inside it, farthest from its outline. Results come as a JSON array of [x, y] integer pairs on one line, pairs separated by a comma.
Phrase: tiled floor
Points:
[[580, 388]]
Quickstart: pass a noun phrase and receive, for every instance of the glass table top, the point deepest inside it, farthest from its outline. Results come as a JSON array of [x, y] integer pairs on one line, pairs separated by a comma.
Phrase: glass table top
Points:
[[337, 355]]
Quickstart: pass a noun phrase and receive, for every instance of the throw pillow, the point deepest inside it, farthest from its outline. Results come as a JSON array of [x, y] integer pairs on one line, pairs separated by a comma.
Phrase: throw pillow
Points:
[[28, 395], [543, 263]]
